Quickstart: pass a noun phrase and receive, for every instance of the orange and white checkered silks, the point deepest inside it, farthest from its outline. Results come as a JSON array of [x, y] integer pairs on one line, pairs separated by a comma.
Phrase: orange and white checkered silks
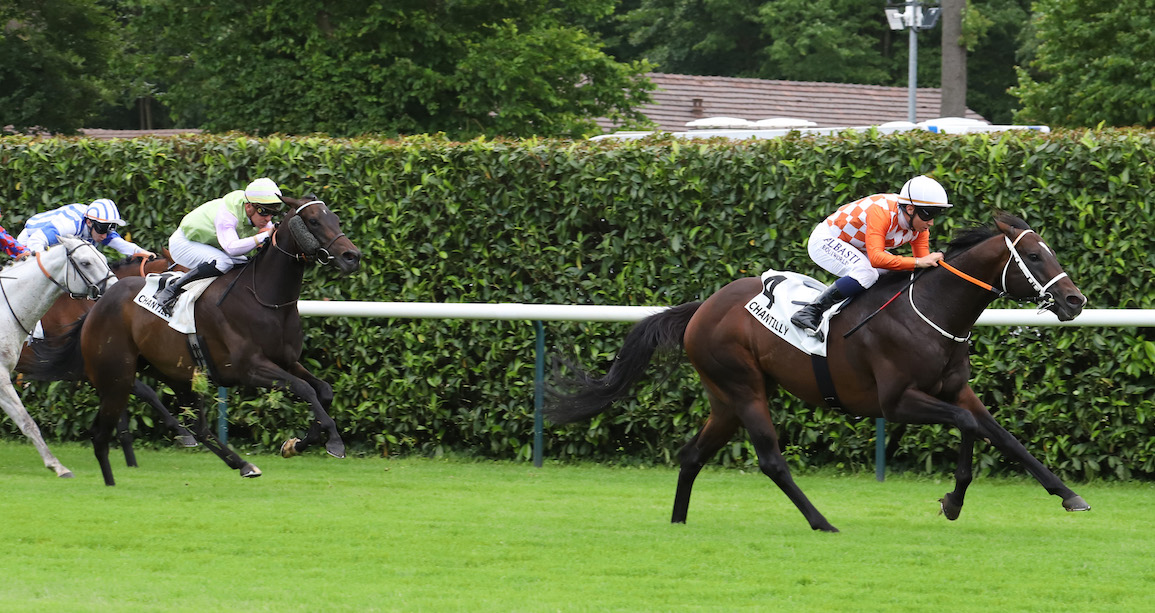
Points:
[[871, 225]]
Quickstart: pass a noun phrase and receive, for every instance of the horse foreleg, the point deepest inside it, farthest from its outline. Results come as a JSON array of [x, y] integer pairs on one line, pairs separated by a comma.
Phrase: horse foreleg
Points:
[[973, 419], [16, 411], [1011, 447], [952, 502], [149, 395], [319, 395], [719, 428]]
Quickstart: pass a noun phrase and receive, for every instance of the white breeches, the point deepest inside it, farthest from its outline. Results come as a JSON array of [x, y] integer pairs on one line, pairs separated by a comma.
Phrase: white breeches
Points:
[[840, 258], [192, 254]]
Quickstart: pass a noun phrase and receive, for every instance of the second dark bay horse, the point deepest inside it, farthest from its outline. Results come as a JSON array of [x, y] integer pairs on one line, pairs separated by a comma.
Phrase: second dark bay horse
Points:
[[251, 328], [909, 363], [67, 311]]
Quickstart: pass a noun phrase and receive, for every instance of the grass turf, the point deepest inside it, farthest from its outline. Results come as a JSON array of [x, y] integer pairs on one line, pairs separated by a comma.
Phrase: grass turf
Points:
[[182, 532]]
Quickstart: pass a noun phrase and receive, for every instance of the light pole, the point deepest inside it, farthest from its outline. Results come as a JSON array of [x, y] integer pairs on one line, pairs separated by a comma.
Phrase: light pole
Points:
[[917, 17]]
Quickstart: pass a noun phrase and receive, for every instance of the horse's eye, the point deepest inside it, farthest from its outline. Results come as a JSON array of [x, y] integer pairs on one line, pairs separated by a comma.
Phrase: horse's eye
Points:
[[1034, 257]]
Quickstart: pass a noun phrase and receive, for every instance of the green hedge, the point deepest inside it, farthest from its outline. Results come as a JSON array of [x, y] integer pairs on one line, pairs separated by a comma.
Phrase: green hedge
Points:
[[656, 222]]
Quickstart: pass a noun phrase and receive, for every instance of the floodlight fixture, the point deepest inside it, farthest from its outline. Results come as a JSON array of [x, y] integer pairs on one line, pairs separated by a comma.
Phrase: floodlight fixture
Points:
[[895, 18]]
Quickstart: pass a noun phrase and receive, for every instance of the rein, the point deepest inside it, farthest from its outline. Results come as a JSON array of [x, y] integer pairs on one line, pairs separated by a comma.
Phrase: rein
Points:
[[8, 302], [1043, 299]]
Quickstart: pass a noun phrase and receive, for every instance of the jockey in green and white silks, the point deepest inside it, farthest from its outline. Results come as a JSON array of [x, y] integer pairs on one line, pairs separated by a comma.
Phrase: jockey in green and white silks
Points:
[[95, 222], [215, 236]]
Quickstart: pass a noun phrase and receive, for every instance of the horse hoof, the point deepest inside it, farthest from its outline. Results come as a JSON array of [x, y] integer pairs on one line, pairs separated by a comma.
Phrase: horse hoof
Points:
[[948, 508], [289, 448], [1076, 503], [337, 449], [250, 471], [187, 440], [66, 475]]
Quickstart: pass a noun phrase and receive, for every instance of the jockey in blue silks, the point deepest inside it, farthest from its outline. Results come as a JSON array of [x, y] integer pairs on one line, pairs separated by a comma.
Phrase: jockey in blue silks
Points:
[[95, 222]]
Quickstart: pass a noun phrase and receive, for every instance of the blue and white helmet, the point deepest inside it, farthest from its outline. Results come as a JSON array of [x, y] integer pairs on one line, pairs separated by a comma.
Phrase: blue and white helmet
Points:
[[104, 210]]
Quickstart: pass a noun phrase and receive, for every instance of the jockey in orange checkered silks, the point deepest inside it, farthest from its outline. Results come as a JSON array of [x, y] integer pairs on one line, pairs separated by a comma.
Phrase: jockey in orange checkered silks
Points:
[[852, 242]]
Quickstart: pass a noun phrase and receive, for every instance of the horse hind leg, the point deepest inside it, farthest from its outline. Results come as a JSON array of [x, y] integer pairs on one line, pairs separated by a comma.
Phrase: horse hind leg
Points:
[[125, 436], [149, 395], [719, 429], [756, 417], [204, 431]]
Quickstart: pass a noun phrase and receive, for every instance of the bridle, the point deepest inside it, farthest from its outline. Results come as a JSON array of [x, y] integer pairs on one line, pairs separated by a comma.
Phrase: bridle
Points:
[[305, 238], [1044, 300], [93, 291], [307, 241]]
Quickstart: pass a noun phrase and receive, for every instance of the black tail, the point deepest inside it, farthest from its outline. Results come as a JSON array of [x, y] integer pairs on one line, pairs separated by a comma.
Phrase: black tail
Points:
[[57, 358], [662, 331]]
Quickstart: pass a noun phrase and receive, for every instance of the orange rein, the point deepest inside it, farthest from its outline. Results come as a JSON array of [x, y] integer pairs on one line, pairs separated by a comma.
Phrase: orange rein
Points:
[[963, 275]]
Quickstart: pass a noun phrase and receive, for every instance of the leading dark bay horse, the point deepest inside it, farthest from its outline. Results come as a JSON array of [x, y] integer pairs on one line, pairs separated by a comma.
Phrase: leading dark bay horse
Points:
[[909, 363], [68, 310], [251, 328]]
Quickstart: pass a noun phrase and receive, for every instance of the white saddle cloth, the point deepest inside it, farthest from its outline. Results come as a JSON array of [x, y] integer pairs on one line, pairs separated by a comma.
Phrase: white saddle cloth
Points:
[[783, 294], [182, 313]]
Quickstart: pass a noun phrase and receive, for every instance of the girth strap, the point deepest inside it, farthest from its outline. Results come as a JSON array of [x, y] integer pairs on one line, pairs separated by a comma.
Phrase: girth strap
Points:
[[825, 382], [201, 357]]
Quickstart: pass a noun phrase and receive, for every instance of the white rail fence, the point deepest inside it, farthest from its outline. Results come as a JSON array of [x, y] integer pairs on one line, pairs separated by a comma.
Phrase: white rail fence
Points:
[[537, 313]]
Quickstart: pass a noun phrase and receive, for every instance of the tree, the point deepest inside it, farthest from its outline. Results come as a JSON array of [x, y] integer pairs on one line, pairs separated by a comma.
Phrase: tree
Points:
[[54, 58], [954, 61], [809, 40], [349, 67], [1092, 63]]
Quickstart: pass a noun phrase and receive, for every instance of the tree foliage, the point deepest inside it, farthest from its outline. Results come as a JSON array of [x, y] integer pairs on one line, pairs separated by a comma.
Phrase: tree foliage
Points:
[[54, 56], [1091, 63], [347, 67]]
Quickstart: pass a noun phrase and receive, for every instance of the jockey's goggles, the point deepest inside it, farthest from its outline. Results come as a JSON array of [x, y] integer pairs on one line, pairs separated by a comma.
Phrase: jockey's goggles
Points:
[[103, 227], [265, 212], [927, 213]]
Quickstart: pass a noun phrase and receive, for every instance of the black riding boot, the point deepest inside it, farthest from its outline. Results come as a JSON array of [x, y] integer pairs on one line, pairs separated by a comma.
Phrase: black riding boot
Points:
[[810, 316], [166, 297]]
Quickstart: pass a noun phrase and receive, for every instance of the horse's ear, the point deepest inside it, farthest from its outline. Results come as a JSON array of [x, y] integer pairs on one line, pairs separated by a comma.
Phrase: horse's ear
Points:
[[309, 197]]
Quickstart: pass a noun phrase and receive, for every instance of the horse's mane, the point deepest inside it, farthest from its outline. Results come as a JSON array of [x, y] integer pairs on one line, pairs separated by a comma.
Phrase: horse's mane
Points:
[[970, 236]]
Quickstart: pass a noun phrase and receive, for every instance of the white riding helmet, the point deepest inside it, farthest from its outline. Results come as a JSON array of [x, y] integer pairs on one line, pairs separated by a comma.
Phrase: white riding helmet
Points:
[[263, 191], [105, 211], [923, 191]]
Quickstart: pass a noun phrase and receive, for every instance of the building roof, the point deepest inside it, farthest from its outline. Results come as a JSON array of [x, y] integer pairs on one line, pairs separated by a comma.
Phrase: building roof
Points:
[[110, 134], [680, 99]]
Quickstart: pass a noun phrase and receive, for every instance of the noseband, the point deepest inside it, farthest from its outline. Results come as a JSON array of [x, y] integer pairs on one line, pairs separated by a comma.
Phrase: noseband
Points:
[[1045, 300]]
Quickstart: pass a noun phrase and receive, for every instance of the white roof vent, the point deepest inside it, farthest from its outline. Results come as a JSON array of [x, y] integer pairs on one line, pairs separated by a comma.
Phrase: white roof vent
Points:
[[718, 123], [784, 122]]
